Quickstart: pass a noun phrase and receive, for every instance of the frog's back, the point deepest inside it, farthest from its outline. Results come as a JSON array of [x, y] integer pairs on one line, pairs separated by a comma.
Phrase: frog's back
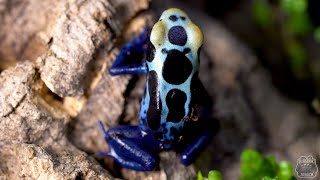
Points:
[[172, 87]]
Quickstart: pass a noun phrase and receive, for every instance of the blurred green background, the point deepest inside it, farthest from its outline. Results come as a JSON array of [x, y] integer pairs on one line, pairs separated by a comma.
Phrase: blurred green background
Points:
[[285, 35]]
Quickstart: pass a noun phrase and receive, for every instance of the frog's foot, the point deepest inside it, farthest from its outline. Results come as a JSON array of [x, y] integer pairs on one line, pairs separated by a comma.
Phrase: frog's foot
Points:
[[130, 59], [125, 147]]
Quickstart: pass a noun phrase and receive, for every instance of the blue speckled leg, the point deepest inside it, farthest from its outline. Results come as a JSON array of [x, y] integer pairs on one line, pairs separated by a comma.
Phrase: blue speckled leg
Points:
[[126, 148], [129, 60]]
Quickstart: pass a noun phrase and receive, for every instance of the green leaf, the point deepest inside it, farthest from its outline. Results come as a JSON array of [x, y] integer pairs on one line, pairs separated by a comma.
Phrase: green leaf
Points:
[[262, 13], [298, 24], [214, 175], [269, 178], [285, 171], [251, 165], [199, 176], [294, 6], [317, 34], [255, 167], [298, 59]]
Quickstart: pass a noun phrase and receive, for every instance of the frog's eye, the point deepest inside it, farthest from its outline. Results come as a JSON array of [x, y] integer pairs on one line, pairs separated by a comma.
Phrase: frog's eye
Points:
[[196, 36], [158, 33]]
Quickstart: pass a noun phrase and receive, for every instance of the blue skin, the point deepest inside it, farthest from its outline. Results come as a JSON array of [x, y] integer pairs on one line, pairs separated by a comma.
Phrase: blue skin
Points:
[[137, 147]]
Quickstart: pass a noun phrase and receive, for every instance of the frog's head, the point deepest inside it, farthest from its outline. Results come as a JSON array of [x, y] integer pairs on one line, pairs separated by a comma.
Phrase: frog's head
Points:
[[175, 27]]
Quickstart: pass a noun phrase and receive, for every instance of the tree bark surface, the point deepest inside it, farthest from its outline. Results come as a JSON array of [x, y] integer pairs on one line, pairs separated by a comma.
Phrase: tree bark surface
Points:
[[69, 45]]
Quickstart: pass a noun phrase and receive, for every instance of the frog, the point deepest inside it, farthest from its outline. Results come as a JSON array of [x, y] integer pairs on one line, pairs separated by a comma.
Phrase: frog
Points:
[[175, 105]]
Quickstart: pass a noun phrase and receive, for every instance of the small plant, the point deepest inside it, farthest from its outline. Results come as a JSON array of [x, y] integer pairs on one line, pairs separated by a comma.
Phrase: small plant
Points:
[[294, 22], [254, 166], [262, 13], [298, 22], [212, 175]]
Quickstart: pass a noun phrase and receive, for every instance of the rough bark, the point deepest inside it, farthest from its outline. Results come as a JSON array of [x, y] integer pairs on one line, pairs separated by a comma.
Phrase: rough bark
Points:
[[74, 39], [21, 24], [49, 108], [73, 44], [33, 132]]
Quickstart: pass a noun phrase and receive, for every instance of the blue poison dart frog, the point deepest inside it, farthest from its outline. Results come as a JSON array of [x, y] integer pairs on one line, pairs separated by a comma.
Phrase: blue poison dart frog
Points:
[[175, 103]]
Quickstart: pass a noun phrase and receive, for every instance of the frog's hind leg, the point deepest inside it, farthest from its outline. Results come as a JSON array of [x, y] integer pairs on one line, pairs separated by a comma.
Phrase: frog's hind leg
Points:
[[126, 148], [130, 58]]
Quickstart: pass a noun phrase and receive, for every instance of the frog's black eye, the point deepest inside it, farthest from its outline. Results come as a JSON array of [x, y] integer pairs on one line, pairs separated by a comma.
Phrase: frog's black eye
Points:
[[173, 18]]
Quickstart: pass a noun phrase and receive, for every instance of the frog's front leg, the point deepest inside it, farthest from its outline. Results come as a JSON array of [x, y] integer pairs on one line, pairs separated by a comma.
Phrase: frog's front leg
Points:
[[127, 146], [189, 154], [200, 138], [130, 59]]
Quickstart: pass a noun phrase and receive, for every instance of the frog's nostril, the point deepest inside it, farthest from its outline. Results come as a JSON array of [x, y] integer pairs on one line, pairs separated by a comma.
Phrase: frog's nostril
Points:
[[173, 18], [177, 35], [186, 50]]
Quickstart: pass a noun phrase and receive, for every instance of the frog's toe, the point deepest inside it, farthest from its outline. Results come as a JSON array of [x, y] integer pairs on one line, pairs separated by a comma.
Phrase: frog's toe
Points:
[[102, 153]]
